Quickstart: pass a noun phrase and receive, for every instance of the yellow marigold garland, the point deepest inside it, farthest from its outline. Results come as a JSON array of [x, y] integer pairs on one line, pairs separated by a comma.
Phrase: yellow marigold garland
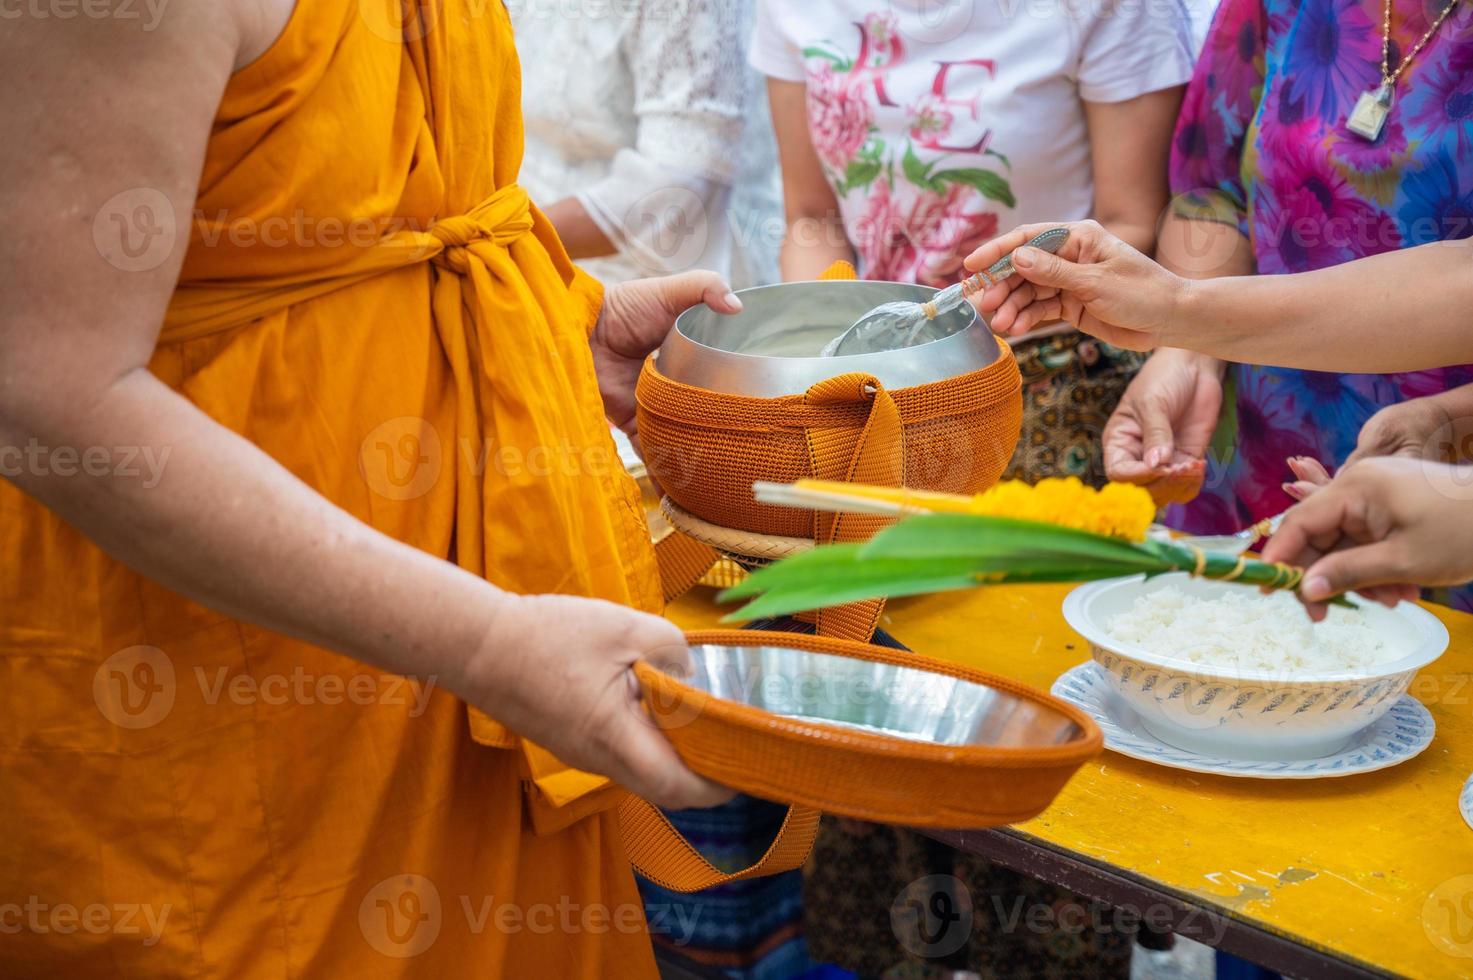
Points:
[[1119, 510]]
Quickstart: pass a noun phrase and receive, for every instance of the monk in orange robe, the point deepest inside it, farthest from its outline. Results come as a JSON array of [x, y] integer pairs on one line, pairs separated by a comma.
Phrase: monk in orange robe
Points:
[[302, 415]]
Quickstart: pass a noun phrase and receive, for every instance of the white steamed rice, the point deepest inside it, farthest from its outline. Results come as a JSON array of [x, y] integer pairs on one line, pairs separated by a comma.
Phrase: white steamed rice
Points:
[[1246, 631]]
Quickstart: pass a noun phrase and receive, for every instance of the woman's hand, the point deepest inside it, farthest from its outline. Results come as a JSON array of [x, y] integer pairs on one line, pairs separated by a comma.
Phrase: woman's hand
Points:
[[1417, 429], [1159, 434], [1097, 282], [557, 670], [1382, 528], [636, 318]]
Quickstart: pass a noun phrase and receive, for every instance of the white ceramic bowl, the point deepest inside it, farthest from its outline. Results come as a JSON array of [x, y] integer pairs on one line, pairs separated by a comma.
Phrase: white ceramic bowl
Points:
[[1227, 713]]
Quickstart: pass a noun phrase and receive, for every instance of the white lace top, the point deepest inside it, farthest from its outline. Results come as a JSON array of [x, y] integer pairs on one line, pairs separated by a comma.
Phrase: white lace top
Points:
[[638, 108]]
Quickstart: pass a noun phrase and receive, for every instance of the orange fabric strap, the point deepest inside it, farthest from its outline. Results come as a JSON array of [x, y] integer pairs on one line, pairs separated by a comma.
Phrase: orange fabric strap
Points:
[[663, 856], [683, 561], [876, 457]]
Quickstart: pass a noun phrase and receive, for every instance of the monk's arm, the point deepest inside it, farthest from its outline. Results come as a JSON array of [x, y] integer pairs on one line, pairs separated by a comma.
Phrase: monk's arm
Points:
[[102, 108], [225, 524]]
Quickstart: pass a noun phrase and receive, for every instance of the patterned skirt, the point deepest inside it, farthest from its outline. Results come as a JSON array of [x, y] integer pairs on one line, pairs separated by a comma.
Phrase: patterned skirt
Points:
[[749, 930]]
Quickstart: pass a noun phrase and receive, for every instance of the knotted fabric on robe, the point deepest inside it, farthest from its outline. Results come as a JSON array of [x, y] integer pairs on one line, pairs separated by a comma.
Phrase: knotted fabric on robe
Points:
[[368, 297]]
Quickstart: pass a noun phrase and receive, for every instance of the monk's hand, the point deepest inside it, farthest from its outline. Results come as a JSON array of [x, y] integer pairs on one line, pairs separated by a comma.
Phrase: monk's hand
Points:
[[636, 318], [1096, 282], [557, 670], [1381, 527]]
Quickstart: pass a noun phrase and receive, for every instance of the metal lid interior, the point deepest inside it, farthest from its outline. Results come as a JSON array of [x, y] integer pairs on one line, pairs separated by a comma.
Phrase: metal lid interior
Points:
[[878, 698], [771, 348]]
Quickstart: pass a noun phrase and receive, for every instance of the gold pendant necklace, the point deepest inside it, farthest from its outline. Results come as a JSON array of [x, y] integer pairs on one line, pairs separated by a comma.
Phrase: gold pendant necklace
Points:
[[1368, 118]]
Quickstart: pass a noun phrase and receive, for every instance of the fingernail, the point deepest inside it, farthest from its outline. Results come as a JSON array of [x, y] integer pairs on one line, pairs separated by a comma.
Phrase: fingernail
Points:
[[1293, 491], [1317, 587], [1025, 258], [734, 301], [1155, 457]]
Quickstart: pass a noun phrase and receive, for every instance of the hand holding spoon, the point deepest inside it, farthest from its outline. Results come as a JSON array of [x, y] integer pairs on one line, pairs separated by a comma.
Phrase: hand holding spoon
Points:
[[893, 326]]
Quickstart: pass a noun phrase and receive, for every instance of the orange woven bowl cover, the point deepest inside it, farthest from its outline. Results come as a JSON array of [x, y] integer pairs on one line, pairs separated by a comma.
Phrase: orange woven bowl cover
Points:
[[855, 773], [707, 448]]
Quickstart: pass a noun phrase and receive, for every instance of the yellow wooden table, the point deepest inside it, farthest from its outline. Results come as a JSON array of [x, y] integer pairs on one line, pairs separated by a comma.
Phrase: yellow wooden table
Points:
[[1369, 874]]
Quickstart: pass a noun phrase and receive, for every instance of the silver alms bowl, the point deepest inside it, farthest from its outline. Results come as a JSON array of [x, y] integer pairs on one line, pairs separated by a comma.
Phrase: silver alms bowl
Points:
[[771, 348], [878, 698]]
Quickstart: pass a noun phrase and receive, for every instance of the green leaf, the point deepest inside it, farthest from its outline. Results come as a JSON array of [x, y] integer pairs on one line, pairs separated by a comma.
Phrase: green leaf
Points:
[[861, 172], [934, 553], [1005, 161], [991, 184], [918, 172], [840, 64], [1002, 540], [801, 567], [852, 581]]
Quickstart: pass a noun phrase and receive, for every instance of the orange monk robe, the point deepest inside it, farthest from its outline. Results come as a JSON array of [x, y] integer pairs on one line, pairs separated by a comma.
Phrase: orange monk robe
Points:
[[367, 297]]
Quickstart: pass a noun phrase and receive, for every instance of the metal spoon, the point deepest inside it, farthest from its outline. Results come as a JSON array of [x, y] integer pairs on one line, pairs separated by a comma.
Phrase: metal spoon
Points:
[[893, 326], [1227, 544]]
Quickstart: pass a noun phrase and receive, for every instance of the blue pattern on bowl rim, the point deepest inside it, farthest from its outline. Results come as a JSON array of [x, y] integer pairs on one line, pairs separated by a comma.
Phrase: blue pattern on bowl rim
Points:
[[1401, 734], [1465, 802], [1225, 712]]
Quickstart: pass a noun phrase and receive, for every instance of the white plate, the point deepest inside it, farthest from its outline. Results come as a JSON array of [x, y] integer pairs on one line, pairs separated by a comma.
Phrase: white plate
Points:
[[1400, 735], [1465, 801]]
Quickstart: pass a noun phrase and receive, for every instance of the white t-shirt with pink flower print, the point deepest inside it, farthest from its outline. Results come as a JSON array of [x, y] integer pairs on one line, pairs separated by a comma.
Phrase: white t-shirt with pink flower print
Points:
[[942, 122]]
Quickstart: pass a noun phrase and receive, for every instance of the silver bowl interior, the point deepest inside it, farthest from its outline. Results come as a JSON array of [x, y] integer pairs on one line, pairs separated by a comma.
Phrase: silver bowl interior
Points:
[[878, 698], [772, 347]]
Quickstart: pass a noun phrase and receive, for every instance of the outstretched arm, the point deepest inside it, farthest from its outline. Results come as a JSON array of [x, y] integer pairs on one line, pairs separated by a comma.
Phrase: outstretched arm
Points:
[[1402, 311]]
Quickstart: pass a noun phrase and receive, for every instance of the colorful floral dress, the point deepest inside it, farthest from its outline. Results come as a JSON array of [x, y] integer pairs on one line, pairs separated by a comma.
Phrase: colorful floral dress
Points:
[[1262, 137]]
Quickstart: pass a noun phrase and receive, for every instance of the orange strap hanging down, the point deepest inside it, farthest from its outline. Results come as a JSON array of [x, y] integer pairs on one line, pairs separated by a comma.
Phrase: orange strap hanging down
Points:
[[683, 561], [663, 856], [876, 457]]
